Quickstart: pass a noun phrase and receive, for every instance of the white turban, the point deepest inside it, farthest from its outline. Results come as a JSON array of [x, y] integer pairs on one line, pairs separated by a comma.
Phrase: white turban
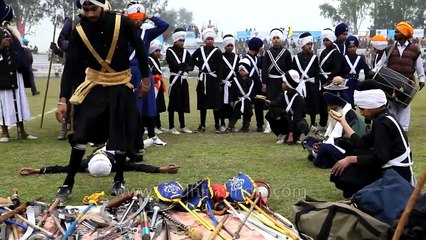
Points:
[[96, 2], [208, 32], [99, 165], [228, 40], [305, 40], [379, 45], [135, 8], [277, 33], [370, 99], [329, 34], [154, 45], [178, 36]]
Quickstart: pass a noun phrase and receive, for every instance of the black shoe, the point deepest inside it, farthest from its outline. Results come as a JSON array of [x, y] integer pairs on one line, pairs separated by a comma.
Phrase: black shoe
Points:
[[62, 135], [63, 193], [200, 129], [245, 130], [36, 93], [217, 129], [118, 188], [259, 129]]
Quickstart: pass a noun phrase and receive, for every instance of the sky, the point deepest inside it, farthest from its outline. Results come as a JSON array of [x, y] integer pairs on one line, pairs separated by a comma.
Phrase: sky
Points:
[[230, 16]]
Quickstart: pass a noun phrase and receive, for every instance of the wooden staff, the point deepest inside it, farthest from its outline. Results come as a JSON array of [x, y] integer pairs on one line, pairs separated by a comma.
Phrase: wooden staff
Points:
[[48, 76], [218, 227], [49, 211], [237, 233], [410, 204]]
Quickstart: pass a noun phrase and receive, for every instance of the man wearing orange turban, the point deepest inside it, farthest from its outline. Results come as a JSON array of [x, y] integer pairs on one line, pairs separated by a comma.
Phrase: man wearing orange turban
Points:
[[406, 29], [405, 58]]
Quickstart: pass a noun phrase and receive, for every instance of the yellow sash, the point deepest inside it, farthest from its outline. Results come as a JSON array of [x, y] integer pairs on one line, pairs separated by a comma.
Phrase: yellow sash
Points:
[[94, 78]]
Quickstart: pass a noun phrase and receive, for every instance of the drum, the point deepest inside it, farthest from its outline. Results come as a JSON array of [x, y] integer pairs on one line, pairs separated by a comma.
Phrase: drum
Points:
[[396, 84]]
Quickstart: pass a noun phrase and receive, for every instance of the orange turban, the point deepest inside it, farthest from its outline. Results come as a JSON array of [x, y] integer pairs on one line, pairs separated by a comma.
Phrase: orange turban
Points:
[[406, 29]]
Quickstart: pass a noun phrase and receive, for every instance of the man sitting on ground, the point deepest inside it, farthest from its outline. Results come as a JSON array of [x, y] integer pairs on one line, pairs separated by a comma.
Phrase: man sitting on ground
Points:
[[385, 146]]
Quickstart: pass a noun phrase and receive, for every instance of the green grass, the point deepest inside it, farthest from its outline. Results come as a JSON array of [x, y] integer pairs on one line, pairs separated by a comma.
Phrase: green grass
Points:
[[218, 156]]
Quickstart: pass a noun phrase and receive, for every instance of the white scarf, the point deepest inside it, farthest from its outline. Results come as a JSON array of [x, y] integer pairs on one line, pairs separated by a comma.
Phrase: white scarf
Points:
[[178, 36], [370, 99], [228, 40], [303, 41], [329, 34], [208, 32]]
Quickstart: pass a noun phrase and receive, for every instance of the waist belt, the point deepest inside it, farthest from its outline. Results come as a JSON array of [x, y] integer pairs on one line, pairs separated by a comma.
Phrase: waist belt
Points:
[[203, 78], [94, 78], [275, 76]]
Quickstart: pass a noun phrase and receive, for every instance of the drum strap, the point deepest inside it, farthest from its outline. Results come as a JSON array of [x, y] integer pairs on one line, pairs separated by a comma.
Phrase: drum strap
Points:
[[352, 66], [398, 161], [390, 52]]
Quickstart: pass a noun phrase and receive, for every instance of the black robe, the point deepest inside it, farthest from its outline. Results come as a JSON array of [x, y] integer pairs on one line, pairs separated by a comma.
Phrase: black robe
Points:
[[228, 76], [312, 89], [107, 114], [374, 149], [333, 65], [179, 92], [273, 84], [282, 121], [208, 86]]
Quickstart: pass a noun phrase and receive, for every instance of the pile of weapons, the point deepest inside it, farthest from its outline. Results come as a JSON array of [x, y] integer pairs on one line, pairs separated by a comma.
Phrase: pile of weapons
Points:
[[134, 216]]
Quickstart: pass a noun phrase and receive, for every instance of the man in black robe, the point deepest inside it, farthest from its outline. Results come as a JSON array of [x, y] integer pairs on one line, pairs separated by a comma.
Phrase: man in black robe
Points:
[[105, 105]]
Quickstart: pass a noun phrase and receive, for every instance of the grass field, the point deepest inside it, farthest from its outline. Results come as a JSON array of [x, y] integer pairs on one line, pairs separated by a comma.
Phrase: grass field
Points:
[[218, 156]]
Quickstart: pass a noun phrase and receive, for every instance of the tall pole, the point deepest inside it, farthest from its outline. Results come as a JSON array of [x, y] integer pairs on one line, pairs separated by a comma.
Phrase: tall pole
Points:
[[50, 69]]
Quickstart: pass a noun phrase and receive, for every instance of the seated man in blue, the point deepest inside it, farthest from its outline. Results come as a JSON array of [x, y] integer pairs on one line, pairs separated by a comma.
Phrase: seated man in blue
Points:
[[327, 152], [385, 146]]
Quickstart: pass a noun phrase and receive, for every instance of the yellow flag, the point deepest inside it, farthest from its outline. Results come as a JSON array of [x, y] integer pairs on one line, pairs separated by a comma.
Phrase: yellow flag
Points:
[[290, 31]]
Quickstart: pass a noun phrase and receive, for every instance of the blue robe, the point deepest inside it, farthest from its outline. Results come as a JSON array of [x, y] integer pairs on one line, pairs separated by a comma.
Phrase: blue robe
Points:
[[146, 106]]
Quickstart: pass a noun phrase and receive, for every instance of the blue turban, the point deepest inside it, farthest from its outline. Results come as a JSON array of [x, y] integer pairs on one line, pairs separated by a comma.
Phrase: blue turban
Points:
[[255, 44], [6, 14], [352, 40], [340, 29]]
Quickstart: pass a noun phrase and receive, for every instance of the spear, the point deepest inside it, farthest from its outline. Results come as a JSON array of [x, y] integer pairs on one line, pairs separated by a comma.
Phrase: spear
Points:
[[50, 69]]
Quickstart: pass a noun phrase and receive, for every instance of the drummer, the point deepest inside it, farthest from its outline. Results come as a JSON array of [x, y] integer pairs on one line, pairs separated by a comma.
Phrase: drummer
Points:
[[353, 63], [379, 44], [405, 58]]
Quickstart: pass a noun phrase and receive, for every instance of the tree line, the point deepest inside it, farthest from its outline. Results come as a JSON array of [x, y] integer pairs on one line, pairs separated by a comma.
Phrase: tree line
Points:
[[383, 13], [30, 12]]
